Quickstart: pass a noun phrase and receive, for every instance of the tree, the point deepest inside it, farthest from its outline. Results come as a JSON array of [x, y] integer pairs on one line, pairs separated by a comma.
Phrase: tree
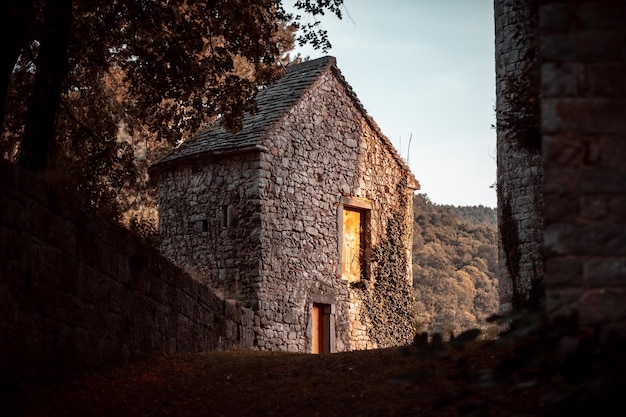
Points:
[[454, 261], [76, 73]]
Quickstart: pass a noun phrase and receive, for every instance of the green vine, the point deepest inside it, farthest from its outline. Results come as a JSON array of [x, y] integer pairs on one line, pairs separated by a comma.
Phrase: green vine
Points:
[[521, 119], [532, 299], [388, 300]]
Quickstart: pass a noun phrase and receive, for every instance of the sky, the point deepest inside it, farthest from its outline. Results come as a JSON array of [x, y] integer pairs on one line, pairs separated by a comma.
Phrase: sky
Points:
[[424, 71]]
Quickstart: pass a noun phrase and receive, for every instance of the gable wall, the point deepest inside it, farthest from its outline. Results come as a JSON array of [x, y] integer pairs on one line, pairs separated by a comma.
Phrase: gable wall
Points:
[[320, 151]]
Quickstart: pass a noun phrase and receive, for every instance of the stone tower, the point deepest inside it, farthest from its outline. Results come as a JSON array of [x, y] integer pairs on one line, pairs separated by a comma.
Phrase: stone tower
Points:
[[561, 113], [520, 172]]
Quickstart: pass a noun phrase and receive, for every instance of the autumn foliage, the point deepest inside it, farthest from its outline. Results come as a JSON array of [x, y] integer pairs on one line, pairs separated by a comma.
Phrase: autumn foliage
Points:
[[454, 264]]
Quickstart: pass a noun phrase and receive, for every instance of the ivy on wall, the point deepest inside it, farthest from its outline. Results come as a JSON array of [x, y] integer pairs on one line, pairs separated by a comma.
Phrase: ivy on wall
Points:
[[519, 119], [521, 298], [388, 298], [519, 128]]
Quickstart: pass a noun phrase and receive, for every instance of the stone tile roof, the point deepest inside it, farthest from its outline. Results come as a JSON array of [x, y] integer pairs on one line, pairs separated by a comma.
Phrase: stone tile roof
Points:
[[272, 102]]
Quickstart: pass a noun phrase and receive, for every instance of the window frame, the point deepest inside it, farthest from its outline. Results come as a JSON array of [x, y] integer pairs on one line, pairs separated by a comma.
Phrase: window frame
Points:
[[364, 207]]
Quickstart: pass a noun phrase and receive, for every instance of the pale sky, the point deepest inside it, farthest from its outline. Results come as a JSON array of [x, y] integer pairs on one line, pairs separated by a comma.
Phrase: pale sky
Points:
[[425, 69]]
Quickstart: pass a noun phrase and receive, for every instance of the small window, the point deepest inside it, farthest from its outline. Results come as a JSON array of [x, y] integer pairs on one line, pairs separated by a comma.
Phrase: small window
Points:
[[198, 226], [225, 219]]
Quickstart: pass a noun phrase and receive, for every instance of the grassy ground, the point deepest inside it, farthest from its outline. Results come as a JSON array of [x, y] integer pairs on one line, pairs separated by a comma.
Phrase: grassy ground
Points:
[[388, 382]]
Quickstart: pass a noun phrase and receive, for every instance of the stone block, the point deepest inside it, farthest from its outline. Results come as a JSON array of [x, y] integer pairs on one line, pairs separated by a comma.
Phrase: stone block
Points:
[[590, 46], [584, 180], [604, 17], [583, 115], [585, 239], [611, 151], [617, 208], [563, 272], [560, 207], [606, 79], [605, 272], [556, 17], [594, 207], [563, 79], [603, 305]]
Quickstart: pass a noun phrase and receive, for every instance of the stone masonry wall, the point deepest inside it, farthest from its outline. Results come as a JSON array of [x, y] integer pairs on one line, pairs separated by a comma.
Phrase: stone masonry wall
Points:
[[279, 250], [77, 292], [209, 222], [519, 163], [324, 150], [583, 53]]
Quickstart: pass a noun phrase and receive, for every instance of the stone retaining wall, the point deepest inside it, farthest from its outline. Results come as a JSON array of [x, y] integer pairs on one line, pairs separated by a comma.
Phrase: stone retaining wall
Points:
[[78, 292]]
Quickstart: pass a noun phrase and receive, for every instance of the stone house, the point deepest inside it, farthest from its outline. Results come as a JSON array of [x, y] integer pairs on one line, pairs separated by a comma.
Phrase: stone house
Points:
[[304, 216]]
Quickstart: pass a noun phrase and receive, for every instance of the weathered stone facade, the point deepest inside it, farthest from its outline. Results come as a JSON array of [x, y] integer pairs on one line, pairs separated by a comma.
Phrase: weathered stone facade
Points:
[[259, 215], [520, 171], [580, 62]]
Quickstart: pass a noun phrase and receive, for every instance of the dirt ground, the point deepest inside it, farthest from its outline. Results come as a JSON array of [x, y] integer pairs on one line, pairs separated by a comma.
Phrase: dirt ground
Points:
[[387, 382]]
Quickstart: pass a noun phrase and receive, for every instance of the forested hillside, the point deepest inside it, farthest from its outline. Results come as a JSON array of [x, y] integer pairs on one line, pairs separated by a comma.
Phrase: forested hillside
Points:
[[454, 264], [476, 215]]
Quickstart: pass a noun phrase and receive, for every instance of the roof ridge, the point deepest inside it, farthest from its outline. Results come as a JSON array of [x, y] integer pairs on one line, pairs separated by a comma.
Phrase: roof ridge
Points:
[[272, 102]]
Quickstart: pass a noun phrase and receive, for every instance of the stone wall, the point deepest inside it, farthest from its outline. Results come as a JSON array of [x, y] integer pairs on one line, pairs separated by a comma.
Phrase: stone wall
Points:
[[583, 70], [77, 292], [519, 164], [209, 222]]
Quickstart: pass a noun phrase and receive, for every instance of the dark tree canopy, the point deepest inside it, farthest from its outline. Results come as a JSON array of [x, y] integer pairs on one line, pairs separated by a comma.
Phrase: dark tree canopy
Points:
[[76, 73]]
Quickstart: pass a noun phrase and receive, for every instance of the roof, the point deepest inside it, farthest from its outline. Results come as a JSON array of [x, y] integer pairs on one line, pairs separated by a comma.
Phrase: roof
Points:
[[272, 103]]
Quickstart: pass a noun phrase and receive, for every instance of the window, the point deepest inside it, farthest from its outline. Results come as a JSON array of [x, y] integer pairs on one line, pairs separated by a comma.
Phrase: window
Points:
[[198, 225], [224, 216], [354, 232]]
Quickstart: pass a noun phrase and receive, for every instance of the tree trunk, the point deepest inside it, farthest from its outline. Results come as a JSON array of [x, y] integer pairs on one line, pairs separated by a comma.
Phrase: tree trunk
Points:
[[51, 66], [15, 21]]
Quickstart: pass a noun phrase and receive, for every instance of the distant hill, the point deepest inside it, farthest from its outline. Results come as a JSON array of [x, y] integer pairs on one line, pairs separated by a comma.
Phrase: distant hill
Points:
[[477, 215], [454, 266]]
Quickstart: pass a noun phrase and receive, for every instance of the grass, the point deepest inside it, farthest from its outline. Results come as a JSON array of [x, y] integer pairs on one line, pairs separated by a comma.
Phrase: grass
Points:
[[387, 382], [538, 367]]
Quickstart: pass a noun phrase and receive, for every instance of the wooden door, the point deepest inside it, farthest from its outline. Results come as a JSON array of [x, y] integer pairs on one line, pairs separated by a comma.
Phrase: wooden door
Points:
[[321, 328], [317, 336]]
